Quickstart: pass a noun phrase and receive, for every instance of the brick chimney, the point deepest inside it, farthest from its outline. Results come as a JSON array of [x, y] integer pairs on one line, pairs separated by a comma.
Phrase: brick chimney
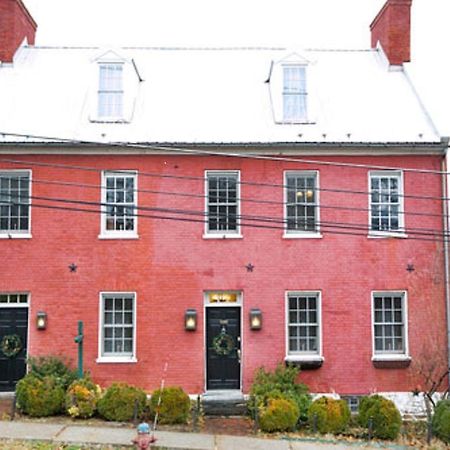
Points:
[[16, 24], [392, 28]]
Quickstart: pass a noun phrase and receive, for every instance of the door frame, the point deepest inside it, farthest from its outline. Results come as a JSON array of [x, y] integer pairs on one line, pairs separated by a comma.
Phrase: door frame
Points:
[[20, 306], [207, 304]]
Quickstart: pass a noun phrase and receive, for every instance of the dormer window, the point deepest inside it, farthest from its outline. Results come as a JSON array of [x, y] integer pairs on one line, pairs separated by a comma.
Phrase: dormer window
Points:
[[110, 91], [294, 93], [293, 90]]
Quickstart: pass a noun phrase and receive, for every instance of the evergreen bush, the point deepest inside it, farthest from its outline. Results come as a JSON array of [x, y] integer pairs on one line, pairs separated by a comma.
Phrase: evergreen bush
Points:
[[329, 415], [386, 419], [82, 397], [40, 396], [281, 383], [119, 400], [280, 414], [55, 366], [441, 421], [174, 405]]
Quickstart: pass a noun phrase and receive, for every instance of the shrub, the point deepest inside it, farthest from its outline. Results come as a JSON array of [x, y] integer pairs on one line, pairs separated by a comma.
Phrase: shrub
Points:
[[332, 415], [54, 366], [441, 421], [386, 419], [82, 397], [174, 406], [279, 415], [118, 402], [279, 384], [40, 396]]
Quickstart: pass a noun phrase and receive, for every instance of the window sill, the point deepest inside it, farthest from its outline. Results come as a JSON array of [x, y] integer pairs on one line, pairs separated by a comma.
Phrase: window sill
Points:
[[118, 236], [110, 120], [386, 234], [116, 359], [222, 236], [305, 362], [296, 122], [391, 357], [391, 361], [312, 235], [15, 235]]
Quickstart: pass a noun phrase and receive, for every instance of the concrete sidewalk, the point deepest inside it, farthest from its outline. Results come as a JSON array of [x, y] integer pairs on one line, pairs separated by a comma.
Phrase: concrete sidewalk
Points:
[[167, 440]]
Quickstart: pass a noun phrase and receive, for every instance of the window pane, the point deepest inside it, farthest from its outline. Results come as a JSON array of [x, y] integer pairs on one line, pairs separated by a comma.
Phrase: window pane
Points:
[[222, 202]]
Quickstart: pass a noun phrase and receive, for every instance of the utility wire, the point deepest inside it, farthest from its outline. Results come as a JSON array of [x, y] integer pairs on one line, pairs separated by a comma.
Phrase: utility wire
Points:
[[227, 154], [239, 199], [240, 218], [203, 179]]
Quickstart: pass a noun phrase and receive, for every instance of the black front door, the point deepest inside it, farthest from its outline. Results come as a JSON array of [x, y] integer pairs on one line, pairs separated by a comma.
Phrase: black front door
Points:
[[223, 342], [13, 322]]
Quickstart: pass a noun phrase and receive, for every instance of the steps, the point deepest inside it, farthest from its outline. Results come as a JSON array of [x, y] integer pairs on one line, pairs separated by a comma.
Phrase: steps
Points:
[[224, 403]]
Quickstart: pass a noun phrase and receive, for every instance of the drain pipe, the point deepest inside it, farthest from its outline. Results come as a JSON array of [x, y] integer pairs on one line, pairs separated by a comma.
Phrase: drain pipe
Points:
[[445, 209]]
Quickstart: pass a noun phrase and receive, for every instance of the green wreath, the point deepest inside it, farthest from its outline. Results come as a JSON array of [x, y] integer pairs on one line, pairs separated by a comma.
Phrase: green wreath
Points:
[[11, 345], [223, 344]]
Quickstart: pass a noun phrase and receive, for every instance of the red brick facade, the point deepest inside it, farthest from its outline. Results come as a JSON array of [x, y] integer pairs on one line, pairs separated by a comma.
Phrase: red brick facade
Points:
[[171, 265]]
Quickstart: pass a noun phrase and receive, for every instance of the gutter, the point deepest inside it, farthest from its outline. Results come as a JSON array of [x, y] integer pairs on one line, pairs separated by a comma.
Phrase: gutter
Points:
[[445, 209]]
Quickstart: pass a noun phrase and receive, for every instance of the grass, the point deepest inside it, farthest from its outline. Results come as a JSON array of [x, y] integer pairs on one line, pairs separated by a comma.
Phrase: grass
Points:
[[38, 445]]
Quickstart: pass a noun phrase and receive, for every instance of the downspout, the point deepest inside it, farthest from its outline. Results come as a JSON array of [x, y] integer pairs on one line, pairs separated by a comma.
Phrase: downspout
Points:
[[445, 209]]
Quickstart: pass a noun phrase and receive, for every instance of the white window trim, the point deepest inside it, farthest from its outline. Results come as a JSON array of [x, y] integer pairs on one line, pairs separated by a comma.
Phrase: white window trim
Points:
[[15, 305], [404, 356], [116, 359], [221, 234], [118, 234], [401, 216], [14, 234], [114, 118], [299, 234], [306, 356], [304, 120]]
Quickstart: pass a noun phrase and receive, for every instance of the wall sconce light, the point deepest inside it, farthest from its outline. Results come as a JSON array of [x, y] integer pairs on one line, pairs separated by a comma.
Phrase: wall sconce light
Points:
[[255, 319], [41, 320], [190, 320]]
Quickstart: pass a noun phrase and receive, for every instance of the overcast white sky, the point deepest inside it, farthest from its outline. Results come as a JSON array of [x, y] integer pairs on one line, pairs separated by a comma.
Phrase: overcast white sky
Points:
[[287, 23]]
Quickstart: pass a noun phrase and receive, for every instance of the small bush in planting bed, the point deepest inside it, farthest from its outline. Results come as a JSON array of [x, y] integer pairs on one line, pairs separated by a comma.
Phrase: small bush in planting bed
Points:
[[174, 405], [82, 397], [40, 396], [329, 415], [386, 419], [441, 421], [119, 400], [55, 366], [280, 414]]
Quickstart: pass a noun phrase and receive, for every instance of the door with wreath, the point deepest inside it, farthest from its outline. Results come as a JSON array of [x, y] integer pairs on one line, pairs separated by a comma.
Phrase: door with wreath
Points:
[[223, 343], [13, 346]]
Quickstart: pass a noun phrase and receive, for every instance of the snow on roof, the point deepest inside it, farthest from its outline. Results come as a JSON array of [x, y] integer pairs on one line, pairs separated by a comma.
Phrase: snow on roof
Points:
[[217, 96]]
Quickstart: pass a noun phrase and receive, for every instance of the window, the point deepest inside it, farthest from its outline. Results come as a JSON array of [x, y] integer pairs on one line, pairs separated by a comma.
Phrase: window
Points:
[[303, 310], [386, 202], [13, 299], [14, 203], [222, 203], [389, 324], [302, 206], [294, 93], [119, 203], [117, 326], [110, 91]]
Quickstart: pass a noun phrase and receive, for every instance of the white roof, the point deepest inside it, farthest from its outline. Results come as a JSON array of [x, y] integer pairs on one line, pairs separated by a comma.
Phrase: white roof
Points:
[[216, 96]]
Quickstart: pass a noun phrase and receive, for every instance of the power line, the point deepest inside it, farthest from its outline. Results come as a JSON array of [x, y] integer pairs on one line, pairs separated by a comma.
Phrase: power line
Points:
[[203, 179], [227, 154], [240, 218], [239, 199]]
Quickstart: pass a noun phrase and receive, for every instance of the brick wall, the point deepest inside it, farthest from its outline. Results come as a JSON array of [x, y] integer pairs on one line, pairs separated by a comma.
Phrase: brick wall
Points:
[[171, 265]]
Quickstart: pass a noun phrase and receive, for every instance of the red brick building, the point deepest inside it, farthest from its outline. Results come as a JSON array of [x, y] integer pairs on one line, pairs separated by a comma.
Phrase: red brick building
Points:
[[221, 210]]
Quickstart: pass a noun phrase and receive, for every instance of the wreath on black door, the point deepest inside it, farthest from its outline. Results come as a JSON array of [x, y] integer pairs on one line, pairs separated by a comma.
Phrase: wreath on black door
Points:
[[223, 344], [11, 345]]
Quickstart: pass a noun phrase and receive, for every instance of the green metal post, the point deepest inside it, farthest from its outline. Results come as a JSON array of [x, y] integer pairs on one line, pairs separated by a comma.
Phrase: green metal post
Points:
[[79, 340]]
